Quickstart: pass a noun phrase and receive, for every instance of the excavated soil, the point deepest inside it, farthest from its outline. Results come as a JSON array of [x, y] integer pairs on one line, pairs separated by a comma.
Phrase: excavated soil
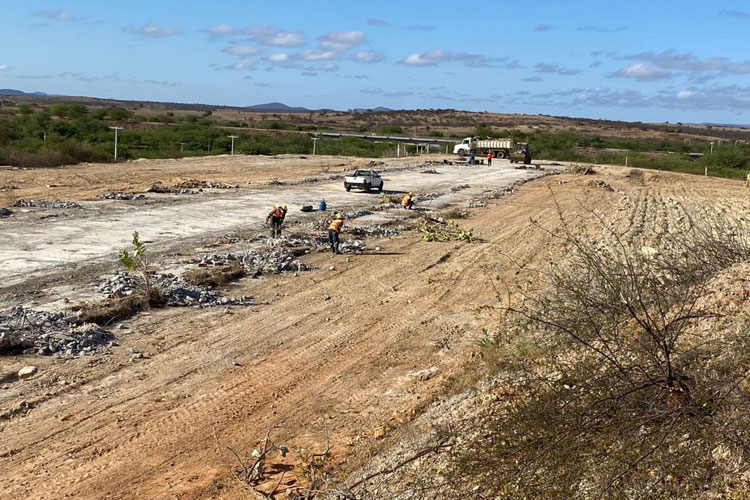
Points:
[[338, 356]]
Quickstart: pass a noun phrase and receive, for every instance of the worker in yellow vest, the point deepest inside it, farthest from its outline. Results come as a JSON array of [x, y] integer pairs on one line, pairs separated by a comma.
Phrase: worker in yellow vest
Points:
[[333, 232], [407, 201], [276, 216]]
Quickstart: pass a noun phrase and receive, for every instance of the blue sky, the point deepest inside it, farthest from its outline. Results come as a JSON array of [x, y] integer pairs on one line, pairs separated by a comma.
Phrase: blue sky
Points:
[[661, 60]]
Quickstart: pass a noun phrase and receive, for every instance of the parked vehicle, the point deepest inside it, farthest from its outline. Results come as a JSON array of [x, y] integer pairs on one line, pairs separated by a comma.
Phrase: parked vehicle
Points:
[[500, 148], [365, 180]]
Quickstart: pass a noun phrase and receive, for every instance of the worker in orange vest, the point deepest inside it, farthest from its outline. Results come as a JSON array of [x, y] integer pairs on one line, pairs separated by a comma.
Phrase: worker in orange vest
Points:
[[490, 156], [407, 201], [276, 216], [333, 232]]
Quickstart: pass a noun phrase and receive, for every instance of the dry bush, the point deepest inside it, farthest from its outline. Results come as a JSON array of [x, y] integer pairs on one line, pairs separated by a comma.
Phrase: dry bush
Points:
[[118, 308], [215, 276], [635, 176], [627, 380]]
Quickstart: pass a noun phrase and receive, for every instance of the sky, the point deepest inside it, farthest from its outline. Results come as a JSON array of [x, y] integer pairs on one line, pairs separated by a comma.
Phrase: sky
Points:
[[652, 61]]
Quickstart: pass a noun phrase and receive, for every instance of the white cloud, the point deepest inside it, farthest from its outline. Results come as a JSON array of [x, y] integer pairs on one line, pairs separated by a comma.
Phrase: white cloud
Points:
[[323, 67], [368, 56], [266, 35], [555, 68], [5, 67], [545, 27], [220, 30], [56, 15], [374, 21], [241, 50], [317, 55], [439, 56], [242, 64], [342, 40], [689, 62], [152, 30], [685, 94], [642, 72]]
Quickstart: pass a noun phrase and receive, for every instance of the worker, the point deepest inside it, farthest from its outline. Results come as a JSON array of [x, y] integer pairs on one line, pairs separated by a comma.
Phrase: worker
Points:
[[471, 160], [333, 232], [490, 155], [407, 201], [276, 216], [747, 179]]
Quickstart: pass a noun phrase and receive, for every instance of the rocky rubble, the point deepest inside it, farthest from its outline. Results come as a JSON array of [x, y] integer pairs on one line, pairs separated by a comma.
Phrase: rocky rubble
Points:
[[160, 188], [375, 231], [42, 332], [57, 204], [177, 292], [4, 212], [197, 184], [258, 262], [120, 195]]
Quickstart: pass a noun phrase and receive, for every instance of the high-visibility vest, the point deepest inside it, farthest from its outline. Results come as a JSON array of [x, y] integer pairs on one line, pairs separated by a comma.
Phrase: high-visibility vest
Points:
[[278, 212], [406, 199], [336, 225]]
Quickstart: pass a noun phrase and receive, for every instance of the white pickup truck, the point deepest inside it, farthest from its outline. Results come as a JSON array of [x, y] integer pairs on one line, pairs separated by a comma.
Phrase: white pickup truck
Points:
[[364, 179]]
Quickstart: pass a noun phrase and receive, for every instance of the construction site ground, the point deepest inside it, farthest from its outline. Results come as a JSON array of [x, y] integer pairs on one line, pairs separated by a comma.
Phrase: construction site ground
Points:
[[337, 357]]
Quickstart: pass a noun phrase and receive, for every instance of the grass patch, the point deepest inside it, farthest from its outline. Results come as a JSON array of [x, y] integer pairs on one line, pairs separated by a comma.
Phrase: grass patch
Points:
[[118, 308]]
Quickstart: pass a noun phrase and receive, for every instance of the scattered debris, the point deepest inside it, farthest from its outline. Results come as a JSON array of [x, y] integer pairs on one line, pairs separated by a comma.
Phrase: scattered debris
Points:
[[437, 229], [27, 372], [196, 184], [58, 204], [601, 184], [635, 176], [257, 262], [4, 212], [215, 275], [42, 332], [175, 290], [430, 171], [580, 169], [160, 188], [120, 195], [375, 231]]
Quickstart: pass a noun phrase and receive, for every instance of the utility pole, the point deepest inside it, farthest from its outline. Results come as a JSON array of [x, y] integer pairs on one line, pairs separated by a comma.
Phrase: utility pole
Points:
[[233, 137], [315, 141], [712, 147], [116, 129], [182, 147]]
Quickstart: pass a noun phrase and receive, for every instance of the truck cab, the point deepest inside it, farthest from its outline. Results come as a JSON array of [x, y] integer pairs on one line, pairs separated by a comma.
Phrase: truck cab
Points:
[[463, 148]]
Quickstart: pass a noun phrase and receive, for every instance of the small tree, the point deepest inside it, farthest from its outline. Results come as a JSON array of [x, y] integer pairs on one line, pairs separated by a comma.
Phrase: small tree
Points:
[[137, 261]]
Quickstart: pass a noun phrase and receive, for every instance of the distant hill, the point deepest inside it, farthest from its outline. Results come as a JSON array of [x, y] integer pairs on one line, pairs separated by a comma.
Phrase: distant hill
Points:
[[19, 92], [277, 107], [379, 109]]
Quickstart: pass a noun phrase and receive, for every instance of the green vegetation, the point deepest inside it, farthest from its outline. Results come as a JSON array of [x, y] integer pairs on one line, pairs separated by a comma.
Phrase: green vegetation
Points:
[[72, 133]]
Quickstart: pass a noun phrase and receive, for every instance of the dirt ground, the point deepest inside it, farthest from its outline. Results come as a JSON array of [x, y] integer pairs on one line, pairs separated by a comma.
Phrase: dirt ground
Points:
[[331, 356]]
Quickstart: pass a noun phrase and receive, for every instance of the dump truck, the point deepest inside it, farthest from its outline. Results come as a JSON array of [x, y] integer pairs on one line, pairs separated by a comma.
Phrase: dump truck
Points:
[[501, 148]]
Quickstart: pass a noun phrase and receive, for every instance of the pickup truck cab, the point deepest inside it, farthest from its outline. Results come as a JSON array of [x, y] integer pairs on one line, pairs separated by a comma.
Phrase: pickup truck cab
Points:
[[365, 180]]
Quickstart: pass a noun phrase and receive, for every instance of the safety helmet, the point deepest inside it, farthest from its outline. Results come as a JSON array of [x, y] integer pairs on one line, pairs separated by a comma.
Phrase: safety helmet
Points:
[[339, 216], [283, 207], [411, 193]]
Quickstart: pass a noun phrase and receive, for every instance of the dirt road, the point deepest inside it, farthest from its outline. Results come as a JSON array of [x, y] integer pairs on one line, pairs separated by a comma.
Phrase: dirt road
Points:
[[334, 355], [102, 228]]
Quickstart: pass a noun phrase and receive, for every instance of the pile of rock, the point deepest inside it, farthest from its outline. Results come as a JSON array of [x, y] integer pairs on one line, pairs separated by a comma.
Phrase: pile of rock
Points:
[[58, 204], [42, 332], [160, 188], [258, 262], [196, 184], [375, 231], [120, 195], [175, 290], [352, 246]]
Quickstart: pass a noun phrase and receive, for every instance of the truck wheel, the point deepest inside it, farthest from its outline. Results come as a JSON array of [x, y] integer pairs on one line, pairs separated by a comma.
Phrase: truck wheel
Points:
[[366, 187], [461, 153], [380, 188], [502, 154], [347, 187]]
